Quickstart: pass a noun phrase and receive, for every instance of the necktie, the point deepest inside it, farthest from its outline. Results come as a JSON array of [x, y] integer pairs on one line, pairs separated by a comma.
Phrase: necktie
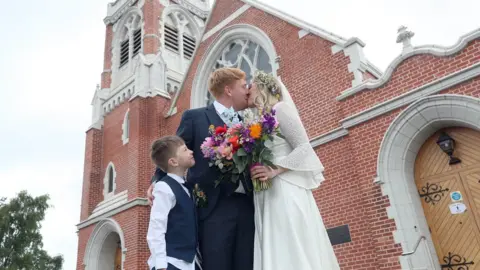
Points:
[[230, 117]]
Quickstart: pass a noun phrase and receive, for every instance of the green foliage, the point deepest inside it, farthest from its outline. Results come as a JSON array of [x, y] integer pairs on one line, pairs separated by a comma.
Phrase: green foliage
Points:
[[21, 244]]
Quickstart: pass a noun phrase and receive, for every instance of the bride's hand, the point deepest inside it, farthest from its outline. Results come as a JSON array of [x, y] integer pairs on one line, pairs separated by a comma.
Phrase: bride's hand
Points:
[[263, 173]]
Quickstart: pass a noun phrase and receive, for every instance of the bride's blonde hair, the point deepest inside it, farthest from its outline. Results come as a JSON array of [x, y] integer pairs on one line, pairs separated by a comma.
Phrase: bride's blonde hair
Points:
[[269, 92]]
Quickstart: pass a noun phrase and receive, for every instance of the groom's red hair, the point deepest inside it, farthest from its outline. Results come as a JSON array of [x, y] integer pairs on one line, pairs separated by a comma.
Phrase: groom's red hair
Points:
[[223, 77]]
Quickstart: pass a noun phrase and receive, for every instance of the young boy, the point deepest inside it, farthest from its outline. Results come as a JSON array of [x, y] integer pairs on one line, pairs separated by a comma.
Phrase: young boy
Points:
[[172, 232]]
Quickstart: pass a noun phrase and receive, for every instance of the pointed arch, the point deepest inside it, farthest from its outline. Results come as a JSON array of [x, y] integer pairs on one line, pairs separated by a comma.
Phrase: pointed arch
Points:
[[127, 43], [102, 231], [181, 31], [213, 52], [109, 181], [126, 127], [395, 167]]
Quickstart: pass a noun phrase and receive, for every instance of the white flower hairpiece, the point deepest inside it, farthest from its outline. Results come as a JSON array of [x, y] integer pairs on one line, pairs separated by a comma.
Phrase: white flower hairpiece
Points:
[[268, 81]]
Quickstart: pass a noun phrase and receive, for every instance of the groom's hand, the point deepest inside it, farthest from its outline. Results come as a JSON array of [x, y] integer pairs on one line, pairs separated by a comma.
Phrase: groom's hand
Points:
[[150, 194], [261, 173]]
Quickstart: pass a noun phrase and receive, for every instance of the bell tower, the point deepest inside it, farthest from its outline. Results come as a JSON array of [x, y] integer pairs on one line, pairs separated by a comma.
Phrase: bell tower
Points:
[[149, 45]]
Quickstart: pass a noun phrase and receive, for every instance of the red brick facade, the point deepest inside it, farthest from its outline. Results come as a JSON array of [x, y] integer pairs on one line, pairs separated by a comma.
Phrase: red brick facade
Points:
[[315, 77]]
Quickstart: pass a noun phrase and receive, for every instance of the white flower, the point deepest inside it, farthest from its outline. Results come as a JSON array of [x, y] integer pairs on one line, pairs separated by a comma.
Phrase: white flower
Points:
[[220, 166], [249, 116]]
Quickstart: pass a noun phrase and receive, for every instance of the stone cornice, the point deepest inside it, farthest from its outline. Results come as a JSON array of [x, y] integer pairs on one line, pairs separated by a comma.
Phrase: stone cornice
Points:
[[194, 9], [427, 49], [336, 39], [113, 211], [116, 10]]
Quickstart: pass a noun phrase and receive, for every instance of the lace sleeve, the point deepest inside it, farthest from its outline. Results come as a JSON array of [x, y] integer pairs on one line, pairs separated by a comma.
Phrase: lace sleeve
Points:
[[302, 158]]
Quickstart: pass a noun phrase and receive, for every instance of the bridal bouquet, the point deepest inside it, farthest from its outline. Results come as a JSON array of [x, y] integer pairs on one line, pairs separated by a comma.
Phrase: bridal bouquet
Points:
[[233, 150]]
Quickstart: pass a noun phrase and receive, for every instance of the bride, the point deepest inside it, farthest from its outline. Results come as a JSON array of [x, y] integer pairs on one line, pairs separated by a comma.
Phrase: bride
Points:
[[290, 233]]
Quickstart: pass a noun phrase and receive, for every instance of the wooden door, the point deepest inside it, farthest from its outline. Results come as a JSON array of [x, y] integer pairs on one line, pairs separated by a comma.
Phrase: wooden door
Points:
[[445, 190], [118, 259]]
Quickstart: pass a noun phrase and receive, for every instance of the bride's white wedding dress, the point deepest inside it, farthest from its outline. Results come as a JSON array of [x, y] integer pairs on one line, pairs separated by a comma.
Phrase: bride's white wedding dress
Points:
[[290, 233]]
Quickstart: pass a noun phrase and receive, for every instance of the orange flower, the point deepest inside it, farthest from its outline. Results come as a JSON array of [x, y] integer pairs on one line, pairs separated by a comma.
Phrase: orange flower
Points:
[[255, 131]]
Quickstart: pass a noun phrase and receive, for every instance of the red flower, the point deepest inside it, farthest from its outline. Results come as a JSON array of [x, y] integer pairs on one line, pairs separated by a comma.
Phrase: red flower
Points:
[[234, 142], [221, 130]]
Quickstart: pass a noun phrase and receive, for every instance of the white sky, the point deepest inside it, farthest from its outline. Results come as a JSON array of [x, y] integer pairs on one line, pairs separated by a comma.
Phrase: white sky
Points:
[[52, 60]]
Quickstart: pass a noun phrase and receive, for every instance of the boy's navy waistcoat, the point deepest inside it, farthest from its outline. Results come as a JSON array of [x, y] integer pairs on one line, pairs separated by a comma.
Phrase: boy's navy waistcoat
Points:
[[181, 236]]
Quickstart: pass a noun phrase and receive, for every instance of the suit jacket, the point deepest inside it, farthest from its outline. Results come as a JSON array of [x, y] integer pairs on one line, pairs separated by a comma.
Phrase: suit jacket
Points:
[[193, 129]]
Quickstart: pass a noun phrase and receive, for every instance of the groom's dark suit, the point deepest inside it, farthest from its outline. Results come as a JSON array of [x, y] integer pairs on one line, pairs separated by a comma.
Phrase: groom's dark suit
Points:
[[226, 225]]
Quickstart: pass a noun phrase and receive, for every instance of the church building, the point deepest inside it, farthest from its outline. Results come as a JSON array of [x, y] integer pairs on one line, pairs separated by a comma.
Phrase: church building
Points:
[[401, 148]]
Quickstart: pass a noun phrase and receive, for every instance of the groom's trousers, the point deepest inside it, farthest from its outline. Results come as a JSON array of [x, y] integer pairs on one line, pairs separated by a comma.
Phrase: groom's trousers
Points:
[[226, 235], [172, 267]]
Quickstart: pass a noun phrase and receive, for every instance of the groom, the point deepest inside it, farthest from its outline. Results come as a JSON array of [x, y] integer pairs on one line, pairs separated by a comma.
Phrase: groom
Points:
[[226, 224]]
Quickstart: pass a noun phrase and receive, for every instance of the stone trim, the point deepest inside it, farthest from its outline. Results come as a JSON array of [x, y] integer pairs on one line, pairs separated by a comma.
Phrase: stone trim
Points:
[[213, 51], [394, 103], [96, 240], [395, 167], [194, 9], [413, 95], [115, 210], [297, 22], [116, 10], [108, 195], [225, 22], [126, 127], [397, 102], [329, 136], [427, 49]]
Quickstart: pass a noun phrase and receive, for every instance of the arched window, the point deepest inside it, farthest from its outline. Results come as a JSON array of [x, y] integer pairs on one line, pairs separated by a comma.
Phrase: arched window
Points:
[[126, 128], [131, 38], [241, 46], [109, 181], [244, 54], [180, 31]]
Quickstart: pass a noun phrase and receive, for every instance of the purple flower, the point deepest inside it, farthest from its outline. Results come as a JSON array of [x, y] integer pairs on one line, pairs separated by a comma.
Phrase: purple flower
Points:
[[248, 147], [269, 122]]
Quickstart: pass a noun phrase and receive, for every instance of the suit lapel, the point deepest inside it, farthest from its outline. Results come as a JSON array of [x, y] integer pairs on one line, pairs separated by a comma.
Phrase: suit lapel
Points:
[[213, 116]]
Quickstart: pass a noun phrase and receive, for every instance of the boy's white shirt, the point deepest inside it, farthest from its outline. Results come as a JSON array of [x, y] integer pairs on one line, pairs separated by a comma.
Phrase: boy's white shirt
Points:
[[164, 201]]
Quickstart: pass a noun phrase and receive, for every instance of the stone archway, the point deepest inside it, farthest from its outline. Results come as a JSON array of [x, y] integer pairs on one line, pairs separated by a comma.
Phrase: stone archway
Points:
[[218, 46], [395, 168], [103, 246]]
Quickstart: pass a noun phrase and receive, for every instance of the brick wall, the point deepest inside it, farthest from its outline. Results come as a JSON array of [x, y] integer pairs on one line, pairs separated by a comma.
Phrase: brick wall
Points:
[[92, 172], [412, 73], [134, 223], [107, 63], [151, 11], [83, 236], [225, 8], [315, 78], [312, 74]]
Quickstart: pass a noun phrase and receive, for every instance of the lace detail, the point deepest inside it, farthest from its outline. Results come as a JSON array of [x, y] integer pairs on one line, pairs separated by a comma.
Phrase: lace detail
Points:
[[295, 152]]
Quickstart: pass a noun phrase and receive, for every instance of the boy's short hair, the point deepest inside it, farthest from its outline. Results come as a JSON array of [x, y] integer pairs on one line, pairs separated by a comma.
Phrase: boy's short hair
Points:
[[223, 77], [164, 149]]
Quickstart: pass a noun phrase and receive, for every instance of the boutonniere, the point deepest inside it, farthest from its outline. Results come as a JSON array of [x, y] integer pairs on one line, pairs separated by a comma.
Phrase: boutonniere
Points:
[[200, 197]]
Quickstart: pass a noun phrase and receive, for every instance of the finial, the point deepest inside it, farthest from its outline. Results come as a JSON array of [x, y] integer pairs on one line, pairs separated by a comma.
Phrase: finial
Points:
[[405, 36]]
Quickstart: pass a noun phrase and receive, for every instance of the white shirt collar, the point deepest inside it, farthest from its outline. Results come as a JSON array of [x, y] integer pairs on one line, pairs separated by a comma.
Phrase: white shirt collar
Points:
[[177, 178], [219, 107]]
